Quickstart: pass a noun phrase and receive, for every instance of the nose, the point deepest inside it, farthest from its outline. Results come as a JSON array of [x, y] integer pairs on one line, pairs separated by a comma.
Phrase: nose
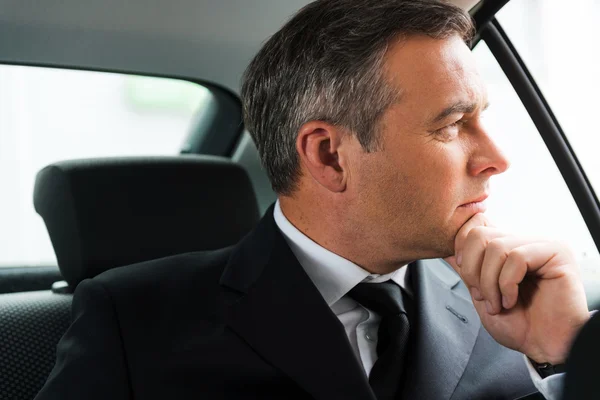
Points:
[[487, 159]]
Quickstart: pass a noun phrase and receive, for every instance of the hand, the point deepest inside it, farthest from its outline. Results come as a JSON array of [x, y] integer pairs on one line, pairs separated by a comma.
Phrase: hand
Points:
[[528, 293]]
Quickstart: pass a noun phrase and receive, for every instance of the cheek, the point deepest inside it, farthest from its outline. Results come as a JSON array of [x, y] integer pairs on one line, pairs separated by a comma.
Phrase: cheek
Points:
[[425, 182], [382, 186], [441, 175]]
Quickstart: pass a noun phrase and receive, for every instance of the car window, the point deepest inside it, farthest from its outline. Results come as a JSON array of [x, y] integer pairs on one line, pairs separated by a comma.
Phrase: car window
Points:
[[559, 46], [48, 115], [531, 198]]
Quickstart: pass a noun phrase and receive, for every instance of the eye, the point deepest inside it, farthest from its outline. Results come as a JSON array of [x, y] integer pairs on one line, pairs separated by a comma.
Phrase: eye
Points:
[[449, 131]]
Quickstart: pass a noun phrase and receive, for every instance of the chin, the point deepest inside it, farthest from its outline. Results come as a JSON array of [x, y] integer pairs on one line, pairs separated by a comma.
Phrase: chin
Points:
[[440, 248], [435, 240], [446, 250], [444, 246]]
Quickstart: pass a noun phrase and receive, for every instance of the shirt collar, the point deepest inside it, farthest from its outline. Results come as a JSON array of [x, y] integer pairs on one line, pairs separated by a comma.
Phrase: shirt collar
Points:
[[333, 275]]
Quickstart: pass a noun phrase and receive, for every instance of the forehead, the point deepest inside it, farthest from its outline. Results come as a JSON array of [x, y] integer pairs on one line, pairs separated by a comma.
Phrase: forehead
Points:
[[433, 73]]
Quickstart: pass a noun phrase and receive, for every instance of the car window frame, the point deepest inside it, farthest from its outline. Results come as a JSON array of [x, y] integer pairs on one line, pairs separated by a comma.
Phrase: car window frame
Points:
[[489, 29]]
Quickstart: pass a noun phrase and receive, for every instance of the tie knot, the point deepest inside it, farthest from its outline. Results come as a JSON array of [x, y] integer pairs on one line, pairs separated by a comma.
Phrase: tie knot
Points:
[[384, 298]]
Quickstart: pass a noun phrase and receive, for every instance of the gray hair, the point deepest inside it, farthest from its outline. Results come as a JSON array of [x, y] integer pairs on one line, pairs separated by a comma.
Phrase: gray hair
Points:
[[326, 64]]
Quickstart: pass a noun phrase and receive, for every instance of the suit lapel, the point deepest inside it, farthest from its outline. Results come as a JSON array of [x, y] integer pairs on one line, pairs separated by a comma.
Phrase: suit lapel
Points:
[[447, 327], [279, 312], [283, 317]]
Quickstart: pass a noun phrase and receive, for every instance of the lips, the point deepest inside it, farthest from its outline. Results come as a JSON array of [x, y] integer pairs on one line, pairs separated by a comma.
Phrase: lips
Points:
[[479, 199]]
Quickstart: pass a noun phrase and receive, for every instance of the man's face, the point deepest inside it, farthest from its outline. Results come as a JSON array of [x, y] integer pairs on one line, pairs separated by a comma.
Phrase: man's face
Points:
[[435, 157]]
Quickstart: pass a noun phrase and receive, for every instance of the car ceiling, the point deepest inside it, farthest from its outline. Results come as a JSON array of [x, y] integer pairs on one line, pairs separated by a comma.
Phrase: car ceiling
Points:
[[211, 40]]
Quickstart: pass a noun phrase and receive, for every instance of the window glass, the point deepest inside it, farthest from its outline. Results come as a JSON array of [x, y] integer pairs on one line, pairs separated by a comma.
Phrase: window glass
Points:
[[559, 43], [48, 115], [531, 198]]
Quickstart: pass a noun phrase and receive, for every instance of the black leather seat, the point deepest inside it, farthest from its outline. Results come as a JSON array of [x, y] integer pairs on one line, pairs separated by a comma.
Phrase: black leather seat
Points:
[[106, 213]]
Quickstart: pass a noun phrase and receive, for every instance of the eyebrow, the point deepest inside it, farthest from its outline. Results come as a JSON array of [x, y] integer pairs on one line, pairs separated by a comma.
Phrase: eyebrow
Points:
[[460, 107]]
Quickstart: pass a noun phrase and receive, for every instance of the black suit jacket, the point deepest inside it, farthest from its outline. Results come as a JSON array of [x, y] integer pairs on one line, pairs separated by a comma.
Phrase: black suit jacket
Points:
[[246, 322]]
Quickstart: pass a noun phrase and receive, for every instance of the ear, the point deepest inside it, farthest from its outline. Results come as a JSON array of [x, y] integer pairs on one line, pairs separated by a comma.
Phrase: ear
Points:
[[319, 146]]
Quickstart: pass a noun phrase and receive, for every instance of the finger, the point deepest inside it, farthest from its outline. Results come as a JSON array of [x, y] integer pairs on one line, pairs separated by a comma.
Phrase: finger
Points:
[[473, 254], [496, 254], [521, 260], [459, 241]]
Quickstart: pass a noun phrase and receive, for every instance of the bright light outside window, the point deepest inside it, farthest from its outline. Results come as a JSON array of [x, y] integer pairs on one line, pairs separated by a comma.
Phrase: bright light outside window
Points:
[[531, 198], [48, 115], [560, 46]]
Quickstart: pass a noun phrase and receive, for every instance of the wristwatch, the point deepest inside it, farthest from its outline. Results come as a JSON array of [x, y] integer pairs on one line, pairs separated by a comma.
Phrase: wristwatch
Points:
[[546, 369]]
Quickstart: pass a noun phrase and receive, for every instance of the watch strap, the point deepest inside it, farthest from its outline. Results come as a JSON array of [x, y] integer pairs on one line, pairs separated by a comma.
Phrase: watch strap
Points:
[[546, 369]]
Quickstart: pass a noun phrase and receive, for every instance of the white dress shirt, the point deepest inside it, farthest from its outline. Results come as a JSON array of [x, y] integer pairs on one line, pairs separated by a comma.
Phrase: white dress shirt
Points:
[[334, 276]]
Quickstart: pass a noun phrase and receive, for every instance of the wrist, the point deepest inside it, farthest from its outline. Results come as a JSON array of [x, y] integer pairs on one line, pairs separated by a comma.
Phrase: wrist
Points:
[[555, 355], [556, 350]]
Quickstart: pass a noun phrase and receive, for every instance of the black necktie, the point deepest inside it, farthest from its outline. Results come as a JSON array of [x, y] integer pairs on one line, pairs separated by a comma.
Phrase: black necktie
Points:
[[386, 300]]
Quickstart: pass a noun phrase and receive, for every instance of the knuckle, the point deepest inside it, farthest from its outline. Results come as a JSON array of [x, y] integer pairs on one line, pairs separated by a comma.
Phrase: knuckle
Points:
[[517, 255], [565, 249], [477, 232], [470, 277], [497, 248], [477, 238]]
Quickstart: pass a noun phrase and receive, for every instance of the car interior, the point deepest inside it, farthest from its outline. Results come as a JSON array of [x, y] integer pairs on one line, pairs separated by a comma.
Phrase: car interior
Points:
[[106, 212]]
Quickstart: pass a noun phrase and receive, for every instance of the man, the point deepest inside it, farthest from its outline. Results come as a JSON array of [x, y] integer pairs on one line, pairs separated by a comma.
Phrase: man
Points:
[[366, 114]]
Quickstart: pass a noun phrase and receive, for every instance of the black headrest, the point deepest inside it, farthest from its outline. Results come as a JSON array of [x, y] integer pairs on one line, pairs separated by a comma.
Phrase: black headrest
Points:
[[105, 213]]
